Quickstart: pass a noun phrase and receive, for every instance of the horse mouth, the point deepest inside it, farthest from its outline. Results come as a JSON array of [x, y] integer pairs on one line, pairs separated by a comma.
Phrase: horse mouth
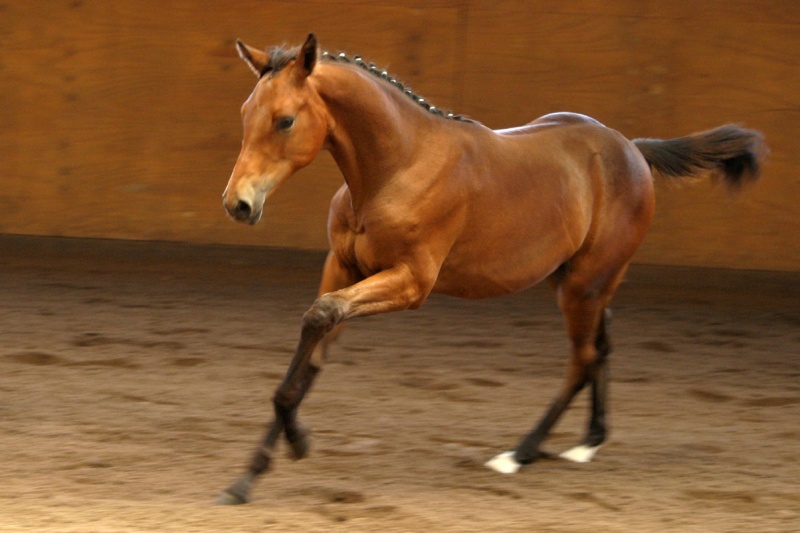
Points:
[[251, 220]]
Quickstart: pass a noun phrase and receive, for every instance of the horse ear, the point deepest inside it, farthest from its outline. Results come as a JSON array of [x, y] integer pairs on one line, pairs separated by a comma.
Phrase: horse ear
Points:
[[256, 59], [307, 58]]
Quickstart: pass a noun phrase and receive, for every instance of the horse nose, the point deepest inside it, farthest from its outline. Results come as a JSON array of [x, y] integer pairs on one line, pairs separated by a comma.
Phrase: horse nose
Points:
[[242, 210]]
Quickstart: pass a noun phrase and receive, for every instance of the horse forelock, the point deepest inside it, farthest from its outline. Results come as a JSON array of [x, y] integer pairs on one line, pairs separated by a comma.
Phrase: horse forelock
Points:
[[279, 58]]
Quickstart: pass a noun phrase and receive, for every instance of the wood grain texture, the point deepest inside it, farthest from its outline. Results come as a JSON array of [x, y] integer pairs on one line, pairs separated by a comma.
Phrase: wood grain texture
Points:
[[661, 69], [121, 119]]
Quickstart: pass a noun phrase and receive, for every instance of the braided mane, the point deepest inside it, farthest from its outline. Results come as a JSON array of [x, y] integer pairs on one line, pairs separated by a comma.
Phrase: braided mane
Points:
[[280, 57]]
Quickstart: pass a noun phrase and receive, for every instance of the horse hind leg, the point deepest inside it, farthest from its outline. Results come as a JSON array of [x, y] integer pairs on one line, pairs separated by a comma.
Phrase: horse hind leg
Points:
[[598, 430], [585, 313]]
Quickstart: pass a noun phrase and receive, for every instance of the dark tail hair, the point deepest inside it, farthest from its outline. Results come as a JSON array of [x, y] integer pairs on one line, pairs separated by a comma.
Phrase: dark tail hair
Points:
[[729, 150]]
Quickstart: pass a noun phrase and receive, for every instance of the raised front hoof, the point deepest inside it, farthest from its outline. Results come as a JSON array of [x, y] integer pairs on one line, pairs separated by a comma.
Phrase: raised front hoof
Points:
[[580, 454], [236, 494], [226, 498]]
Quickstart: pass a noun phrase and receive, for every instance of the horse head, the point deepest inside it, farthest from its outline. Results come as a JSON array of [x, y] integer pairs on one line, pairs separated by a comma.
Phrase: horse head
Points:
[[285, 126]]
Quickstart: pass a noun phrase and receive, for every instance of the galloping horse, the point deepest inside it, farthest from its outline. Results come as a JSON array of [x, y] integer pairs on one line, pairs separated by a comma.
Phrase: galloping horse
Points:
[[435, 202]]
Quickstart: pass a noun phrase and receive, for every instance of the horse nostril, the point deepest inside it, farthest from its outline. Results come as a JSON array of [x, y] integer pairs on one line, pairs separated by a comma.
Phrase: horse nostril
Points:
[[242, 210]]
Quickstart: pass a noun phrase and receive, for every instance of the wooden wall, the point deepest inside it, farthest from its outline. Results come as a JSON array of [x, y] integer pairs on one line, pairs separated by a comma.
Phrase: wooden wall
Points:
[[120, 118]]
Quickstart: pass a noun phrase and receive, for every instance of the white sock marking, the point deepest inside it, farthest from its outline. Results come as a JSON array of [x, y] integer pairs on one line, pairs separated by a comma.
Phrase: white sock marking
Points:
[[504, 463], [580, 454]]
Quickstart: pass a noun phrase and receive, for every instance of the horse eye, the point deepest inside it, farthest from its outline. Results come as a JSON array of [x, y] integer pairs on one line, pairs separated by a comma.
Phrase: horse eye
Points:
[[284, 123]]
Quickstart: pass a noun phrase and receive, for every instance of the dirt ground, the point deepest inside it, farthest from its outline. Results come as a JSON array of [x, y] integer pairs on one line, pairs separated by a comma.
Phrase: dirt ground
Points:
[[135, 380]]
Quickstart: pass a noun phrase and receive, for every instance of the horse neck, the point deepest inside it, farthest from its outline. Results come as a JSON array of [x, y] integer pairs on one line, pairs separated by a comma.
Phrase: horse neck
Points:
[[375, 135]]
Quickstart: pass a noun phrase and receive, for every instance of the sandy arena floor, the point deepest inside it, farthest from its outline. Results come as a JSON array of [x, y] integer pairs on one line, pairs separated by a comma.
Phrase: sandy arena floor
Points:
[[135, 380]]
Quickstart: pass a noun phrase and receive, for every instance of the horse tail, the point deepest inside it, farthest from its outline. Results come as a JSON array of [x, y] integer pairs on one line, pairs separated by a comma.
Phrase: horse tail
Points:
[[729, 151]]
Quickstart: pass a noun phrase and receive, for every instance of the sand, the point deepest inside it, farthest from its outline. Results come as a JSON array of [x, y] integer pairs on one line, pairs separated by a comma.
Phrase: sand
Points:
[[135, 380]]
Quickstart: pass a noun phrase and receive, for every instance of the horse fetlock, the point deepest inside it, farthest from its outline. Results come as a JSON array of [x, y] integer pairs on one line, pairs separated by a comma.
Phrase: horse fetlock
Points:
[[260, 463], [596, 435], [526, 456], [298, 437]]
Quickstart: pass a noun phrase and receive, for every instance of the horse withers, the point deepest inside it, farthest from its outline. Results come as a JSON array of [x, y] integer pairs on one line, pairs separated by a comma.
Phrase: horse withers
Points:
[[435, 202]]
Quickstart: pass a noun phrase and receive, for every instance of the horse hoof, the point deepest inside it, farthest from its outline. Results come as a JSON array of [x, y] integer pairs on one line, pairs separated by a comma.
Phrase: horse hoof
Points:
[[580, 454], [226, 498], [236, 494], [504, 463]]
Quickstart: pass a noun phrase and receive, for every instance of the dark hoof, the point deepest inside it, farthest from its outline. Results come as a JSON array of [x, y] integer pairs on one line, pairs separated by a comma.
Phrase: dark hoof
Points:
[[299, 442], [236, 494]]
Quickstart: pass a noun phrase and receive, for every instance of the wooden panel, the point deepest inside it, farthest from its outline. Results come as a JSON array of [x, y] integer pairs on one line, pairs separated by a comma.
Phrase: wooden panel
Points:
[[121, 119], [660, 69], [745, 72]]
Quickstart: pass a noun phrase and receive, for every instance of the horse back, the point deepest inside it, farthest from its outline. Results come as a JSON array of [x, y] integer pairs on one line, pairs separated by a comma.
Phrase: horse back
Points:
[[551, 120]]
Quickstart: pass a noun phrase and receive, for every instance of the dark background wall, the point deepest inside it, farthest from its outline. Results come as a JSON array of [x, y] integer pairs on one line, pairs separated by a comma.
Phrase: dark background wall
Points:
[[120, 118]]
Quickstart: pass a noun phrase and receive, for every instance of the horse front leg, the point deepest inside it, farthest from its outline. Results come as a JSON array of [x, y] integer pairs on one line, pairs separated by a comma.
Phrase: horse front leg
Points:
[[390, 290], [286, 401]]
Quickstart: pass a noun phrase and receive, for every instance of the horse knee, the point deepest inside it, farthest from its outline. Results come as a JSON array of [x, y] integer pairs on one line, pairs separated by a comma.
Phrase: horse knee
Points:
[[323, 315]]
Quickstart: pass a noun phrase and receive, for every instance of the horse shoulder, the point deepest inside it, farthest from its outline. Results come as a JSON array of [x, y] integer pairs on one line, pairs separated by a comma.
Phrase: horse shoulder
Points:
[[342, 225]]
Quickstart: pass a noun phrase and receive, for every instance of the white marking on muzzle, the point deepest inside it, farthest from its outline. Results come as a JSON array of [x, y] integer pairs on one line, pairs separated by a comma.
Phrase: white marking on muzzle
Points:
[[253, 192]]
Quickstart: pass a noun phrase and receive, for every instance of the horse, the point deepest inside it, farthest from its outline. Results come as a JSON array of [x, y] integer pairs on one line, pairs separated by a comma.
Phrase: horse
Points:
[[437, 202]]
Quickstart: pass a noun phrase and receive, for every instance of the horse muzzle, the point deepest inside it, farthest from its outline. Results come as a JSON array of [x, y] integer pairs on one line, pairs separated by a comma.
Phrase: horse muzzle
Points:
[[242, 211]]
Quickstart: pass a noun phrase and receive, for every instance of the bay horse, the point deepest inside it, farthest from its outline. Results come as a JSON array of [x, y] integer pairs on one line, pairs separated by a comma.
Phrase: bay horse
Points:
[[435, 202]]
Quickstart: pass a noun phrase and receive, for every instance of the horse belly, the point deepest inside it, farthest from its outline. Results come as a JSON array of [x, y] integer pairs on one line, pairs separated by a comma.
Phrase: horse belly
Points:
[[476, 285], [500, 270]]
